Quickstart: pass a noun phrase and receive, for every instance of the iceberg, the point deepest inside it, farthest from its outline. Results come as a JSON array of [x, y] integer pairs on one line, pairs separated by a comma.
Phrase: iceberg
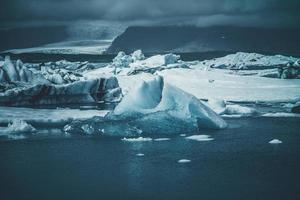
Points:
[[154, 107], [156, 63], [17, 129], [87, 91], [277, 66], [20, 126]]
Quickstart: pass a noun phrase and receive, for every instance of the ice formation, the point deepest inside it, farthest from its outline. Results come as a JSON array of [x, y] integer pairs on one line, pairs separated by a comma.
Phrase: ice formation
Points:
[[122, 60], [20, 126], [88, 91], [138, 63], [262, 65], [239, 110], [156, 63], [16, 129], [154, 107], [220, 107], [169, 103]]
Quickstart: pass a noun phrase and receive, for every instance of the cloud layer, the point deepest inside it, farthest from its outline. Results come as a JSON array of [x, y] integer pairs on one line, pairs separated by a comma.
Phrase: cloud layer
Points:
[[199, 12]]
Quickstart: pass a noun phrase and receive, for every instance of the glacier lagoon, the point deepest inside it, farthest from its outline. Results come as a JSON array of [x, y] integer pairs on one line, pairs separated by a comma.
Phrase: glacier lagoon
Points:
[[181, 164]]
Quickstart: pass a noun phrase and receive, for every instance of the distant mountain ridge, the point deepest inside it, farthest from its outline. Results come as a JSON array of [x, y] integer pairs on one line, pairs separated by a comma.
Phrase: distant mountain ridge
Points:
[[205, 39]]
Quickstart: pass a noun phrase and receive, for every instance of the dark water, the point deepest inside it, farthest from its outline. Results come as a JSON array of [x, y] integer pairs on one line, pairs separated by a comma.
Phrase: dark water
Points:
[[238, 164]]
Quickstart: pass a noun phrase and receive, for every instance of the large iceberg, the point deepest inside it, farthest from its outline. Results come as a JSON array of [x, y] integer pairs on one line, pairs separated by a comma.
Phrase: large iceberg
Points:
[[52, 83], [277, 66], [88, 91], [138, 63], [156, 63], [155, 107]]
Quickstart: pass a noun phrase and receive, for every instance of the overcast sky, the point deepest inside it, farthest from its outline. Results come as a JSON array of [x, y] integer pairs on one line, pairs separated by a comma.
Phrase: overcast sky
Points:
[[198, 12]]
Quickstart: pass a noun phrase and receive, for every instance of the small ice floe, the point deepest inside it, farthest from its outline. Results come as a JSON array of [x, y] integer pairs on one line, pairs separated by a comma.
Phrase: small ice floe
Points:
[[139, 139], [161, 139], [200, 138], [140, 154], [275, 141], [184, 161], [19, 126], [182, 135]]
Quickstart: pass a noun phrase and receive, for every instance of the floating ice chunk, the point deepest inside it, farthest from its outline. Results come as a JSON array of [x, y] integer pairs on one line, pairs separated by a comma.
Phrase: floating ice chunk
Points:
[[19, 126], [275, 141], [162, 104], [200, 138], [140, 154], [154, 108], [161, 139], [182, 135], [139, 139], [217, 105], [239, 110], [184, 161]]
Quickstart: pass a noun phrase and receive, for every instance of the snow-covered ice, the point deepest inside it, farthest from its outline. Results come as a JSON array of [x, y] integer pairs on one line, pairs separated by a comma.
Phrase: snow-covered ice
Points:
[[200, 138], [140, 154], [231, 87]]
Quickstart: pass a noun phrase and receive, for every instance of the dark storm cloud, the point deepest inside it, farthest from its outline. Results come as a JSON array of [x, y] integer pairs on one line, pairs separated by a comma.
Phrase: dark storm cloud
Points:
[[200, 12]]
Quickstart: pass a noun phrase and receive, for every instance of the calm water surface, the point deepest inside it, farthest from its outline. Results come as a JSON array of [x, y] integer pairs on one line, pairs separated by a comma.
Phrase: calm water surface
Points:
[[238, 164]]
